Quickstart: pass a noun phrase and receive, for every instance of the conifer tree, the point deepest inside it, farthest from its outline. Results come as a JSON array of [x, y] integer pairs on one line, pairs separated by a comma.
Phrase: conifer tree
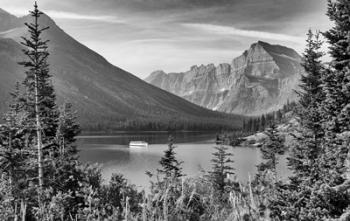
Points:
[[67, 129], [64, 159], [304, 155], [221, 168], [336, 80], [171, 167], [13, 155], [320, 184], [336, 109], [307, 150], [311, 91], [50, 130], [39, 100], [262, 122], [273, 146], [279, 116]]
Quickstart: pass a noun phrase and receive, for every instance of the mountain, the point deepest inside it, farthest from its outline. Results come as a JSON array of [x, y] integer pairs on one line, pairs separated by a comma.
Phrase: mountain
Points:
[[8, 21], [103, 94], [259, 81]]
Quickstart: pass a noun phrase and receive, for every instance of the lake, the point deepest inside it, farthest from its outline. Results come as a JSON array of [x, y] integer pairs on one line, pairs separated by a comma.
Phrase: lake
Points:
[[193, 148]]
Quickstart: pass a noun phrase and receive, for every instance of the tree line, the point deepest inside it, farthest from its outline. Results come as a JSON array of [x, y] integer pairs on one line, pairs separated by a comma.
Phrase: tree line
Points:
[[260, 123], [164, 124]]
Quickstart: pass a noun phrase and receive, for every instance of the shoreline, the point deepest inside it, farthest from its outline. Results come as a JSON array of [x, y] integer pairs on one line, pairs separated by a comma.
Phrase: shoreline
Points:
[[111, 133]]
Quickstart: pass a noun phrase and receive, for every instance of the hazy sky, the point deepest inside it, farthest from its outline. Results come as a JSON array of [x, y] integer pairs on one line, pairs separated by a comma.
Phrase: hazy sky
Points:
[[141, 36]]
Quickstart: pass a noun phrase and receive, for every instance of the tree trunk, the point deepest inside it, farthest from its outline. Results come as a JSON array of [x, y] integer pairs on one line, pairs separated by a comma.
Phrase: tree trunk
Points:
[[37, 118], [144, 214], [165, 205], [126, 208], [39, 140], [23, 210], [16, 208]]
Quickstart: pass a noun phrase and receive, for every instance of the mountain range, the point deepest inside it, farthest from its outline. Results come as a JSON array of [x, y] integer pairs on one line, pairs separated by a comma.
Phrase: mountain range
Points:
[[261, 80], [102, 93]]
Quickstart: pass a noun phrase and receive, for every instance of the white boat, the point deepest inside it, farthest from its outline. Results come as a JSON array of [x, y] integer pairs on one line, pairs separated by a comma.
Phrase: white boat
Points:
[[138, 144]]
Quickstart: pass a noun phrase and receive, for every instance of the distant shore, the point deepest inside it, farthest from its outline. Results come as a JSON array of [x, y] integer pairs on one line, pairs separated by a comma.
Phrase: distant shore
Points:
[[93, 133]]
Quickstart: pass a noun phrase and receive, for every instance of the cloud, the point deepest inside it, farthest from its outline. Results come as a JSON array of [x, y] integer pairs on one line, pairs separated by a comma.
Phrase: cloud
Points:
[[18, 11], [75, 16], [137, 34], [226, 30]]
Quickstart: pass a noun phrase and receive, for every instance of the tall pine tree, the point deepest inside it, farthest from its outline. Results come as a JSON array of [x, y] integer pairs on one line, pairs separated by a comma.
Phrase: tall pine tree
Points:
[[40, 97], [171, 167], [221, 168], [50, 130], [304, 155], [273, 146], [336, 109], [318, 189]]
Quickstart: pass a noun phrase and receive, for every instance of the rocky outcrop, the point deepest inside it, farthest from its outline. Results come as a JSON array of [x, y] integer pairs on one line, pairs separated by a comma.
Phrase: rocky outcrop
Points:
[[261, 80]]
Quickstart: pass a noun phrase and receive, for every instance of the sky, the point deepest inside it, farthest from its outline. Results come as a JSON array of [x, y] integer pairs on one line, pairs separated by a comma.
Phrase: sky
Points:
[[142, 36]]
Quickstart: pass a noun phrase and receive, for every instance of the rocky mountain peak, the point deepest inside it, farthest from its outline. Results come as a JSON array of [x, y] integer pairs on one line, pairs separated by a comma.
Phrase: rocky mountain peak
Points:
[[157, 74], [268, 61], [262, 79], [194, 67], [279, 49]]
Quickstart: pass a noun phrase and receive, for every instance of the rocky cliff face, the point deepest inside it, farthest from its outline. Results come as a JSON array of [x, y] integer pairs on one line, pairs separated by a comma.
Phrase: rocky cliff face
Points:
[[261, 80]]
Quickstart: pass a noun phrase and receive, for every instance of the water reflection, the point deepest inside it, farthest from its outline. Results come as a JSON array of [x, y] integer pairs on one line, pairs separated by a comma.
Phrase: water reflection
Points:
[[124, 138], [194, 149]]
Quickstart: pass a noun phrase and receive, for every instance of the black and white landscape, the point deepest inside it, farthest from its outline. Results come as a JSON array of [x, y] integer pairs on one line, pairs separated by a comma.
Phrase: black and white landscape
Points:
[[171, 110]]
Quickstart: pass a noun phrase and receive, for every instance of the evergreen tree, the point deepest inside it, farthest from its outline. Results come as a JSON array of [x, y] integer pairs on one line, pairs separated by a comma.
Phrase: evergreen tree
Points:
[[221, 168], [37, 123], [266, 178], [311, 91], [338, 36], [273, 146], [67, 129], [304, 155], [64, 170], [320, 181], [171, 167], [307, 150], [336, 80], [336, 110], [279, 116], [14, 157], [262, 122], [40, 97], [245, 125]]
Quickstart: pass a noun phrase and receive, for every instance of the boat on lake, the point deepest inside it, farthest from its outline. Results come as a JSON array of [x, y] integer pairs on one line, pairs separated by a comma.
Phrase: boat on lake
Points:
[[138, 144]]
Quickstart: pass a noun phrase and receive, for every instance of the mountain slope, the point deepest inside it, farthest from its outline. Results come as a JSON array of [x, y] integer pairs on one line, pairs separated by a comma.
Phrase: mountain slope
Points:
[[102, 93], [261, 80], [8, 21]]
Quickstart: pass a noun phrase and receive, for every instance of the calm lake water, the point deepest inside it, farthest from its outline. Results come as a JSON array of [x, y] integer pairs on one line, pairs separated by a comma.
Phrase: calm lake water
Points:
[[193, 148]]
